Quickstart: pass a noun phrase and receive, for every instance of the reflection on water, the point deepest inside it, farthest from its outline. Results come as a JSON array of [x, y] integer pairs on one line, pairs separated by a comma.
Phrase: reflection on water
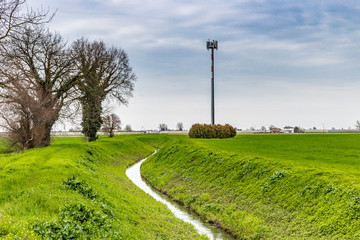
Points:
[[133, 173]]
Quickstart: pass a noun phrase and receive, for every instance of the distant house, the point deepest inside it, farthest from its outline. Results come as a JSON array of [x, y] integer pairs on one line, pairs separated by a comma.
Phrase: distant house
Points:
[[288, 129], [275, 130]]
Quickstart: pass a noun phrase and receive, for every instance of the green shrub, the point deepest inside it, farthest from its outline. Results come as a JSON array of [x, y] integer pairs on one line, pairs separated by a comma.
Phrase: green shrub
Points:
[[212, 131], [76, 221], [81, 187]]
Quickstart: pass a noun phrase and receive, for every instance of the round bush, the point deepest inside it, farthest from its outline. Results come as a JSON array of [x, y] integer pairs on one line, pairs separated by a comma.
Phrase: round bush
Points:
[[212, 131]]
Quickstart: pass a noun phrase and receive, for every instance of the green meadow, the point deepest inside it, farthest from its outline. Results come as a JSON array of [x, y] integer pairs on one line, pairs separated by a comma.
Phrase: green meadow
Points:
[[304, 186], [78, 190], [334, 151]]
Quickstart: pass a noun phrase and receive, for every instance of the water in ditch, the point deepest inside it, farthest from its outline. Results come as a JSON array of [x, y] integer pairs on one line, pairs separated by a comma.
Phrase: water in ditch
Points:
[[214, 233]]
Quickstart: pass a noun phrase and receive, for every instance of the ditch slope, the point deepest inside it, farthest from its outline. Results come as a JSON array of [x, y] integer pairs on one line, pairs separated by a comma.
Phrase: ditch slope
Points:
[[78, 190], [256, 197]]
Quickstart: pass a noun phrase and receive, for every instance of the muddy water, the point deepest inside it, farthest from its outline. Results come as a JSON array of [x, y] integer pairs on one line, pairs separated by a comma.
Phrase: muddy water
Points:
[[133, 173]]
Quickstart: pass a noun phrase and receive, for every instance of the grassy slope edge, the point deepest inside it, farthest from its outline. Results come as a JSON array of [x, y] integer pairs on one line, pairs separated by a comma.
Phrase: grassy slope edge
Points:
[[80, 190], [259, 197]]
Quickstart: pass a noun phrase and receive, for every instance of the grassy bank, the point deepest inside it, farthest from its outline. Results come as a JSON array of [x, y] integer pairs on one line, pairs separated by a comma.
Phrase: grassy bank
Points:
[[5, 146], [270, 187], [78, 190]]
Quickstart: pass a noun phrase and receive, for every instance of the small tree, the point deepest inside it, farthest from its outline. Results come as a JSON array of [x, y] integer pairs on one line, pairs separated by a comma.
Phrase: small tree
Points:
[[179, 126], [128, 128], [111, 122], [163, 127], [263, 128], [296, 130], [357, 125]]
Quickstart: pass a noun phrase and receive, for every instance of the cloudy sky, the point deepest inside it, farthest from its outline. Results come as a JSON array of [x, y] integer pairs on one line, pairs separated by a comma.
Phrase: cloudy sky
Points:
[[279, 62]]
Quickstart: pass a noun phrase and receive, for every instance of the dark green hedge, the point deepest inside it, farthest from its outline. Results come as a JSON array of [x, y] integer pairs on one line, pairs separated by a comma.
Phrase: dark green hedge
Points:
[[212, 131]]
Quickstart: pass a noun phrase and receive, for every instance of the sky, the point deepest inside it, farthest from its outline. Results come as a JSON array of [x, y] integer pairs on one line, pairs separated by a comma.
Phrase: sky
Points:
[[279, 62]]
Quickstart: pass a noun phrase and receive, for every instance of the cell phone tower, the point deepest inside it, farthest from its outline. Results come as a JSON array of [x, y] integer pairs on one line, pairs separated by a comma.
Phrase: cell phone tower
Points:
[[212, 45]]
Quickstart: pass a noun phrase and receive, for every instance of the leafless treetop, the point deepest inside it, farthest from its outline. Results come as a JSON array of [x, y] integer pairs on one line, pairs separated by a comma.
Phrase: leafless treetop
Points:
[[14, 15], [105, 69]]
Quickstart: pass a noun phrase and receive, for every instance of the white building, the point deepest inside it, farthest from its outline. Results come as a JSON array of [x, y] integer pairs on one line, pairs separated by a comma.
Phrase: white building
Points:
[[288, 129]]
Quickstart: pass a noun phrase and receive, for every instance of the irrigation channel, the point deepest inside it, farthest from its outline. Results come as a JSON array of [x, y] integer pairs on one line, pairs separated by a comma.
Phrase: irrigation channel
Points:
[[214, 233]]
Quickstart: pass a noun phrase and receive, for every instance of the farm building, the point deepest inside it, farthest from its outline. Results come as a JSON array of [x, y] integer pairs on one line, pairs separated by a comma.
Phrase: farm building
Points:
[[275, 130], [288, 129]]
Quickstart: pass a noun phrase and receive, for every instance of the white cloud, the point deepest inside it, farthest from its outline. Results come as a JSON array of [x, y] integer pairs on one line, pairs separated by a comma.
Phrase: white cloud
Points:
[[266, 48]]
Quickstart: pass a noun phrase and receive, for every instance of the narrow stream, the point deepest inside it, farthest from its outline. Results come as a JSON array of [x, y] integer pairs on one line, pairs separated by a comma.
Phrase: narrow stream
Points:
[[133, 173]]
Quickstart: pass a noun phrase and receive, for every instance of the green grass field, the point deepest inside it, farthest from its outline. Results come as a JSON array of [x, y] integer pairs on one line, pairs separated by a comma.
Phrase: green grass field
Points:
[[328, 151], [267, 186], [78, 190], [255, 186]]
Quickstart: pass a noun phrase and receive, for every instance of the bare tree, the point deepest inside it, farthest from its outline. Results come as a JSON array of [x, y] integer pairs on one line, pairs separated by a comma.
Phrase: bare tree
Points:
[[105, 74], [111, 122], [357, 125], [179, 126], [163, 127], [36, 83], [13, 17], [263, 128], [128, 128]]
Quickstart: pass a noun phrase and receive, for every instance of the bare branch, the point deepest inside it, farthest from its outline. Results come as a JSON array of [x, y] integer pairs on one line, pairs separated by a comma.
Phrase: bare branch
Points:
[[15, 15]]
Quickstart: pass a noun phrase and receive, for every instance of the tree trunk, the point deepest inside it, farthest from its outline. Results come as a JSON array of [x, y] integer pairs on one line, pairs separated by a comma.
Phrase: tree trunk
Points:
[[46, 139], [91, 119]]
